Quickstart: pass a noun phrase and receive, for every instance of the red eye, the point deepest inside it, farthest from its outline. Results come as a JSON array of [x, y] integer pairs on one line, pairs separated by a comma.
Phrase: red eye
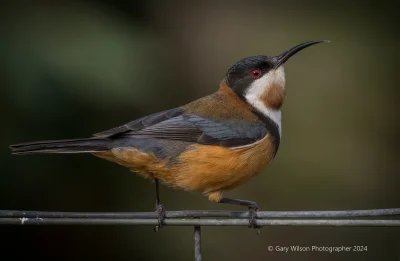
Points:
[[256, 73]]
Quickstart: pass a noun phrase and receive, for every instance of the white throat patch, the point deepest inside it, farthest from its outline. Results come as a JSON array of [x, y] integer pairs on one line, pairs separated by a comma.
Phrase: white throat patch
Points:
[[259, 87]]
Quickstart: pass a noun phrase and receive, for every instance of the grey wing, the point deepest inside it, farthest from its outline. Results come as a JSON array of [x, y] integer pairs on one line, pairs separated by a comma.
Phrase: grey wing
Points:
[[228, 133], [175, 125], [141, 123], [195, 129]]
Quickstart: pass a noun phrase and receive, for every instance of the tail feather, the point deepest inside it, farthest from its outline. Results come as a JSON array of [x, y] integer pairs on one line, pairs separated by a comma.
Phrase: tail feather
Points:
[[62, 146]]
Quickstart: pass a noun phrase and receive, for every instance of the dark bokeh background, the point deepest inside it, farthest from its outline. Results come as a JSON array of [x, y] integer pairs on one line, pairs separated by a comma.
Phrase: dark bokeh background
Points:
[[73, 68]]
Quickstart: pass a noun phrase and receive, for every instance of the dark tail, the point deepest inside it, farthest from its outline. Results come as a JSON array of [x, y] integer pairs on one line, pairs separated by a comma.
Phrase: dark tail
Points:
[[62, 146]]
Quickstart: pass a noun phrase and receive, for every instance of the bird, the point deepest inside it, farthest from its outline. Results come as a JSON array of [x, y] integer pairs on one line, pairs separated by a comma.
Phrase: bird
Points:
[[210, 145]]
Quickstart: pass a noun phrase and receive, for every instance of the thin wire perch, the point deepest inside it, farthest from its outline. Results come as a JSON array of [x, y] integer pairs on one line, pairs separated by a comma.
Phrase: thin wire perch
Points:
[[203, 218], [198, 218]]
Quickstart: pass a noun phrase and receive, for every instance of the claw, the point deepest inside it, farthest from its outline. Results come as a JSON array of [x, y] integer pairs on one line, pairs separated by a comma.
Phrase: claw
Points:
[[253, 208], [161, 216], [252, 219]]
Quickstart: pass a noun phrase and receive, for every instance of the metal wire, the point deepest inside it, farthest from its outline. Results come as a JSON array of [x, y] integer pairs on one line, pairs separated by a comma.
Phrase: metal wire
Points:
[[202, 213], [192, 218], [197, 243], [197, 222], [177, 218], [198, 218]]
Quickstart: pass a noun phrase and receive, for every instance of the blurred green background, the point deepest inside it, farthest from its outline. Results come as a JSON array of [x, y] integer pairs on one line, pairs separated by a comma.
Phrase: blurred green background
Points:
[[72, 68]]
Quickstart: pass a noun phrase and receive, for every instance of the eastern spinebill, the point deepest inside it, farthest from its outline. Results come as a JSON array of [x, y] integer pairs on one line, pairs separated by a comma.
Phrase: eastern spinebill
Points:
[[210, 145]]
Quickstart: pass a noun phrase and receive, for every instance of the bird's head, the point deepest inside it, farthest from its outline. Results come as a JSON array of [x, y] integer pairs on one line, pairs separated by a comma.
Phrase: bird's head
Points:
[[260, 80]]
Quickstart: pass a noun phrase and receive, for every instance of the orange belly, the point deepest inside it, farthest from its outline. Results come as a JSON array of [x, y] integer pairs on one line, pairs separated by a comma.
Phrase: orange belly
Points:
[[205, 168]]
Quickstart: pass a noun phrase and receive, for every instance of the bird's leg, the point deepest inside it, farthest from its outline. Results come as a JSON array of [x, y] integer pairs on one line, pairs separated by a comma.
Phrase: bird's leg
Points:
[[253, 208], [159, 208]]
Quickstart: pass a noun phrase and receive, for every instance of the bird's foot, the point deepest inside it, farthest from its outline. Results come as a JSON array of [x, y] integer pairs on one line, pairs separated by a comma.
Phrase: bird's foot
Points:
[[252, 218], [253, 208], [161, 216]]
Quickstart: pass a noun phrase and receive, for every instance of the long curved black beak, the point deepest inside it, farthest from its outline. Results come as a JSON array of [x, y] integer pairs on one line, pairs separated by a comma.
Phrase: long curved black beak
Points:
[[282, 58]]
